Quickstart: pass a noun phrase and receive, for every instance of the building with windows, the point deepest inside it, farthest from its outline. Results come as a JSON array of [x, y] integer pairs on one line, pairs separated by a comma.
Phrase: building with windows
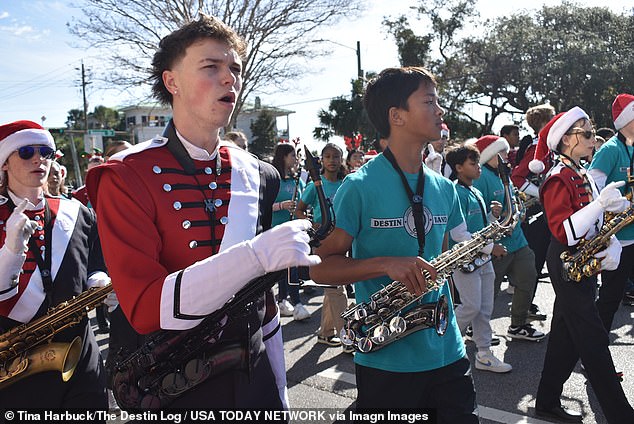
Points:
[[144, 121]]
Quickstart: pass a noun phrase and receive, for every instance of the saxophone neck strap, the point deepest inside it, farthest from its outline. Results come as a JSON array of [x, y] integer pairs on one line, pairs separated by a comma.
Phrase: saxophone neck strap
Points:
[[415, 199]]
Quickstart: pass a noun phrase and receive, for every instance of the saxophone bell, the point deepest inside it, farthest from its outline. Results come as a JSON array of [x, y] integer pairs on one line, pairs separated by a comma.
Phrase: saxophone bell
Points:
[[62, 357]]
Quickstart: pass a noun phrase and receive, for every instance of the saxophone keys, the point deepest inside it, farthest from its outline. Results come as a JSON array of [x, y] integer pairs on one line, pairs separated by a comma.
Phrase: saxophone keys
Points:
[[174, 382], [347, 336], [398, 325], [380, 333], [365, 345], [360, 314], [196, 370]]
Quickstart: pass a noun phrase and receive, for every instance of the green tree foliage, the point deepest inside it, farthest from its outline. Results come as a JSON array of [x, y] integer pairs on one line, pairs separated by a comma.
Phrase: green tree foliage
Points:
[[567, 54], [264, 135], [105, 117], [346, 117]]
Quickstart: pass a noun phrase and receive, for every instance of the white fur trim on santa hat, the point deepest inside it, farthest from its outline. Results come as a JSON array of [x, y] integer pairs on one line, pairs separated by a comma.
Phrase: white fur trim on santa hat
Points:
[[536, 166], [562, 125], [26, 137], [493, 149], [625, 116]]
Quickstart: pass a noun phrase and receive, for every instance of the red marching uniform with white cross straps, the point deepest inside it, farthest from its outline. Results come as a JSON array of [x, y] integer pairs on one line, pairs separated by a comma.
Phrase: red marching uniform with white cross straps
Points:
[[163, 214]]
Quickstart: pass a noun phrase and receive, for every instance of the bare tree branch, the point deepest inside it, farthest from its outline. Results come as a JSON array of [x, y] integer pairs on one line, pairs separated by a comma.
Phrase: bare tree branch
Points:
[[278, 32]]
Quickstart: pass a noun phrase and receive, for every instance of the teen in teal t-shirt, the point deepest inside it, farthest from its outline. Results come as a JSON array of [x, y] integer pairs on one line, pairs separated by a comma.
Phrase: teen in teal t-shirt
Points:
[[381, 224], [491, 187]]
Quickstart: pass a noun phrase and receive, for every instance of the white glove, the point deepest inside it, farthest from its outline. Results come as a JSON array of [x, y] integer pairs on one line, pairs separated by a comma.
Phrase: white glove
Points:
[[433, 159], [19, 229], [208, 284], [611, 256], [284, 246], [111, 301], [98, 279], [611, 199]]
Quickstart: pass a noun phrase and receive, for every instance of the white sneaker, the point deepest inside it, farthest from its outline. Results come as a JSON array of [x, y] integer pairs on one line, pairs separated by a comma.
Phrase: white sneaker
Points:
[[301, 313], [488, 362], [286, 309]]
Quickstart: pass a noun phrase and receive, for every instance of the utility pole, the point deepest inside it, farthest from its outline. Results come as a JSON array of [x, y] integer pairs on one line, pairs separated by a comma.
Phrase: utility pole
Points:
[[83, 90], [359, 70]]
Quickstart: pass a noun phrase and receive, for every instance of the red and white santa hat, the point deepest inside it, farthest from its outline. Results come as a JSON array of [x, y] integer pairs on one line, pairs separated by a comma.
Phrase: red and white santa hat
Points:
[[623, 110], [551, 135], [22, 133], [489, 146]]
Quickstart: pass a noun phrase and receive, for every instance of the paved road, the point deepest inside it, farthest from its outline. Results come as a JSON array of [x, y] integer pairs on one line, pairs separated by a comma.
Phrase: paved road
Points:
[[323, 377]]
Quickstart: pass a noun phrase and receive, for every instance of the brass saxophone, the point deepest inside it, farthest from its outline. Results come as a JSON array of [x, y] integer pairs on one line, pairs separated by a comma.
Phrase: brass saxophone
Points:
[[26, 349], [170, 362], [393, 312], [582, 262]]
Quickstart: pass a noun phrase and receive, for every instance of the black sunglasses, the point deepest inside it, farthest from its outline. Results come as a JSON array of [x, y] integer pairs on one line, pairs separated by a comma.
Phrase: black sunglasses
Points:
[[27, 152], [586, 133]]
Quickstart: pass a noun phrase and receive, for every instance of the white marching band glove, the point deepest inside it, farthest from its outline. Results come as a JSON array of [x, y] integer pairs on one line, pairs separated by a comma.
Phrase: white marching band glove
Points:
[[208, 284], [111, 301], [611, 256], [611, 199], [19, 229], [284, 246], [98, 279], [433, 159]]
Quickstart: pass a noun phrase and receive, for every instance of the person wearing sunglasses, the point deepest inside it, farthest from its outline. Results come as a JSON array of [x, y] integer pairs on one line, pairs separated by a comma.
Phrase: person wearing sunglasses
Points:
[[49, 253], [574, 208], [614, 161]]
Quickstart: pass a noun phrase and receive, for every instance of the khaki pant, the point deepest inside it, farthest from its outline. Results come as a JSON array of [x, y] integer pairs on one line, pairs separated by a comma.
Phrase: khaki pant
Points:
[[335, 302]]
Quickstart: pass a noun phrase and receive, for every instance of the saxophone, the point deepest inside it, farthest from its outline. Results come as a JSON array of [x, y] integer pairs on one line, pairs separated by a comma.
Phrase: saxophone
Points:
[[582, 262], [171, 362], [26, 349], [394, 313]]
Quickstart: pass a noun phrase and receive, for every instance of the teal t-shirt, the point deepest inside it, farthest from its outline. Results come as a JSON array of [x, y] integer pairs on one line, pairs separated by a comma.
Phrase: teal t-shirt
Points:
[[287, 188], [309, 196], [372, 207], [491, 187], [613, 159], [472, 205]]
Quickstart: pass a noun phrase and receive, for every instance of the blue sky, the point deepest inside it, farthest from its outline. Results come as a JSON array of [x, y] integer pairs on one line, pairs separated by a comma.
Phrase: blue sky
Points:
[[39, 75]]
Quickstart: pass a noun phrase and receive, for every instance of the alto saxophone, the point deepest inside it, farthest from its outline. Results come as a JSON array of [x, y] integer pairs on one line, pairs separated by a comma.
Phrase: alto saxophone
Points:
[[393, 312], [26, 349], [582, 262], [171, 362]]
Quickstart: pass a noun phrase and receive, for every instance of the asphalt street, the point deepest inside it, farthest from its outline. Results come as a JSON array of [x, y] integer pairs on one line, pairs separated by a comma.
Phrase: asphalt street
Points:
[[322, 377]]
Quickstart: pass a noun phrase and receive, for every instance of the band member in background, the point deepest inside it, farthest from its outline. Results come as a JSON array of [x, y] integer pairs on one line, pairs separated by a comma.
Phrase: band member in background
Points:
[[476, 287], [50, 253], [575, 208], [527, 181], [420, 369], [183, 216], [518, 261], [614, 162]]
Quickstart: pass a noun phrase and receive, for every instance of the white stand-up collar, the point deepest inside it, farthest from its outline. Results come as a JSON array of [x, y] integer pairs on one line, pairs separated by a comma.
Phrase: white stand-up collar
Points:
[[30, 206], [195, 152]]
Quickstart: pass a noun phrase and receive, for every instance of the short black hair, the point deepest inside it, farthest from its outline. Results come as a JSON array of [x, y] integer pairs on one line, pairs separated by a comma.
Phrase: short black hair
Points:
[[391, 88], [606, 133], [460, 154], [507, 129], [173, 47]]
